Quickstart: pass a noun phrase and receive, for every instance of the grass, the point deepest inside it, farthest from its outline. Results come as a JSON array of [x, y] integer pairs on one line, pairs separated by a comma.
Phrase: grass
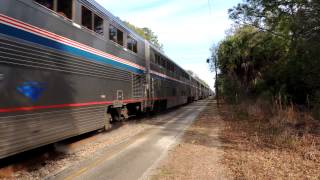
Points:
[[271, 142]]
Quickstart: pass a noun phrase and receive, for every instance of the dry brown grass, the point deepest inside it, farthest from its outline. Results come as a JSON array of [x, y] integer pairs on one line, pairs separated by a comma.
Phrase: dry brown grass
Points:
[[271, 142]]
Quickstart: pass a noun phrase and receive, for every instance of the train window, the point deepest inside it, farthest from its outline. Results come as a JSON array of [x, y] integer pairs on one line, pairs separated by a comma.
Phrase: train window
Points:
[[116, 35], [152, 58], [163, 62], [157, 60], [170, 66], [86, 18], [113, 33], [64, 8], [120, 37], [98, 24], [132, 44], [160, 60], [46, 3]]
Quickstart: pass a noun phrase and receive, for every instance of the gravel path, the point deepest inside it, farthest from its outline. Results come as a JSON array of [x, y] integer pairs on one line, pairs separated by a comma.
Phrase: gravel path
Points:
[[199, 154]]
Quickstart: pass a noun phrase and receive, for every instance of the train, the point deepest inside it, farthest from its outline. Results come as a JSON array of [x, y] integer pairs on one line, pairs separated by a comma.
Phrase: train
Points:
[[69, 67]]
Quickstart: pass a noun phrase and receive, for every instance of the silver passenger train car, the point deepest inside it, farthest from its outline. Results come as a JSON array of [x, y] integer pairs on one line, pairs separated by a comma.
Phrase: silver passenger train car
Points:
[[68, 67]]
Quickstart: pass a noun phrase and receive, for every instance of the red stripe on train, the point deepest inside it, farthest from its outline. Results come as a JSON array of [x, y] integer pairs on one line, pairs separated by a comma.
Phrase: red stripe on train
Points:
[[31, 108]]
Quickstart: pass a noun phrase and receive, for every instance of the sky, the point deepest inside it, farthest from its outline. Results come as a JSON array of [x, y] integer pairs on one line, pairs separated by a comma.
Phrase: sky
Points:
[[186, 28]]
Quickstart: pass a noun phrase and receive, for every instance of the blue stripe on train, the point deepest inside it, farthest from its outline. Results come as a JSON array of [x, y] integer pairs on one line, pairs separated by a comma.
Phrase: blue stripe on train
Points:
[[11, 31]]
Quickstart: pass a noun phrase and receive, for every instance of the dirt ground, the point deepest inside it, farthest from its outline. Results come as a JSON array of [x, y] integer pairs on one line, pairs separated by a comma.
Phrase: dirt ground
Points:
[[219, 147]]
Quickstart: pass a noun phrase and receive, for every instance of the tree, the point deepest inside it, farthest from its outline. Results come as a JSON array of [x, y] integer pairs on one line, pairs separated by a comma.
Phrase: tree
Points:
[[297, 22], [244, 59], [147, 34], [213, 62], [291, 19], [275, 49]]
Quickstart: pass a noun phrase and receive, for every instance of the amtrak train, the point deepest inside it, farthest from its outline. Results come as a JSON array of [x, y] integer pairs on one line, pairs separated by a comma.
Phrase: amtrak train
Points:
[[68, 67]]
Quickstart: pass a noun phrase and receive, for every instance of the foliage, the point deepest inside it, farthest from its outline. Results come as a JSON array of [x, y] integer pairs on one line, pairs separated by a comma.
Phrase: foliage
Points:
[[147, 34], [273, 51]]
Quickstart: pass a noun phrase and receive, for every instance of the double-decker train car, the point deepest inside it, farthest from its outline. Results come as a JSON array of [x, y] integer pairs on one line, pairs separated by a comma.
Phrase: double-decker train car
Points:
[[68, 67]]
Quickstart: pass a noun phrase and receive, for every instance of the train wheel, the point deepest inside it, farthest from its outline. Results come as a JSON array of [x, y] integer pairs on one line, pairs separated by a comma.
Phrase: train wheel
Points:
[[108, 120]]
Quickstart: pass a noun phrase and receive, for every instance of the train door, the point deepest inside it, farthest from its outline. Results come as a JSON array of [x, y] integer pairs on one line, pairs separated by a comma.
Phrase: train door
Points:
[[149, 82]]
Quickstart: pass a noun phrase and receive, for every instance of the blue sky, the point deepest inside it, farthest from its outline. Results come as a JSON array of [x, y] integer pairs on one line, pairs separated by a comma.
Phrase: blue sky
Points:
[[187, 28]]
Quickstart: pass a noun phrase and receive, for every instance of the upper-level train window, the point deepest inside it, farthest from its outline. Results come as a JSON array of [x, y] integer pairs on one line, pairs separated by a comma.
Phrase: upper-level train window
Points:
[[91, 20], [153, 58], [116, 35], [132, 44], [86, 18], [98, 24], [113, 33], [120, 37], [163, 62], [157, 59], [46, 3], [170, 66], [64, 8]]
